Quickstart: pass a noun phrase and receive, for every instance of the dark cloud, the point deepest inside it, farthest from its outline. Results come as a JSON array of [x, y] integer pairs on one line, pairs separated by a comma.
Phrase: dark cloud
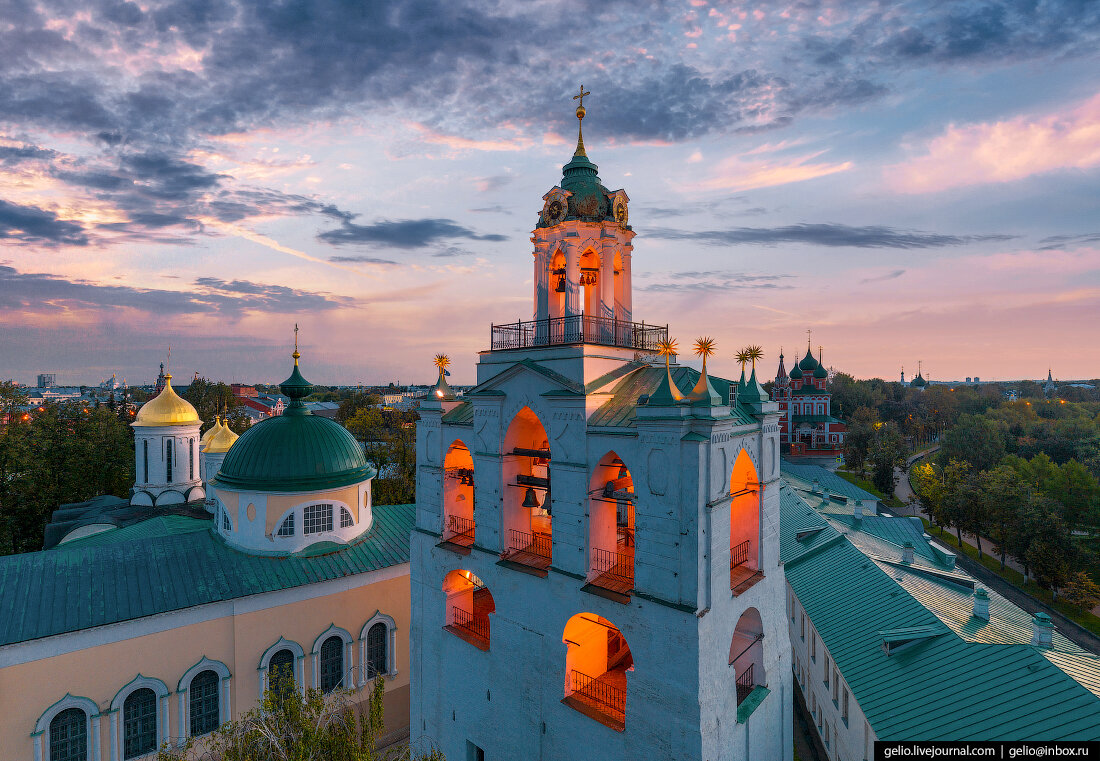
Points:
[[714, 280], [30, 224], [824, 235], [17, 154], [894, 275], [1059, 242], [360, 260], [497, 209], [404, 233], [44, 292]]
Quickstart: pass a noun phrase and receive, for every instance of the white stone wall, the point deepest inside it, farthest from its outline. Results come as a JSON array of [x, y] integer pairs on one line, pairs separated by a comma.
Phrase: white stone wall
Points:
[[187, 476], [678, 624]]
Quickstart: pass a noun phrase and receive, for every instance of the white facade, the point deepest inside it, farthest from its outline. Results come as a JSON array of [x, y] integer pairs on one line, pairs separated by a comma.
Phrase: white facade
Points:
[[167, 464]]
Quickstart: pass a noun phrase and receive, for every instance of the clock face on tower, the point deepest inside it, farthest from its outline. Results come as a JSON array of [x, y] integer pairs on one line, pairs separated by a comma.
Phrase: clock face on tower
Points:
[[621, 215], [554, 211]]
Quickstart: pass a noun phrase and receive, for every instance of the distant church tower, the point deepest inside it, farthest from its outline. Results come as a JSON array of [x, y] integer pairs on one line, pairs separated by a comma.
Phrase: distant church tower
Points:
[[595, 561], [166, 448]]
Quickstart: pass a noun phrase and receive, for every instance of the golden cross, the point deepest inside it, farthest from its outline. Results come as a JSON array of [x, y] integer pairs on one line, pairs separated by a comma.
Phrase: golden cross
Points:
[[295, 336], [580, 97], [808, 332], [169, 363]]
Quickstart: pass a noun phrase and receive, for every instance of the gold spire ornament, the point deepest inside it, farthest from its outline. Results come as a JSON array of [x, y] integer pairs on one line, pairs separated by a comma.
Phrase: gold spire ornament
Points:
[[296, 355], [442, 361], [743, 359], [580, 122], [754, 353], [666, 349]]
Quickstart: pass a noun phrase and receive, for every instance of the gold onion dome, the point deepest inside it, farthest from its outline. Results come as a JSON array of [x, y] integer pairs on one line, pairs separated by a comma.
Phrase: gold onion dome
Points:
[[221, 441], [210, 432], [166, 409]]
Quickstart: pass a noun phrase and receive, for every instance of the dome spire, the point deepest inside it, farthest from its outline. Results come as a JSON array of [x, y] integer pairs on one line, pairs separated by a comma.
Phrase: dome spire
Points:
[[296, 387], [580, 122]]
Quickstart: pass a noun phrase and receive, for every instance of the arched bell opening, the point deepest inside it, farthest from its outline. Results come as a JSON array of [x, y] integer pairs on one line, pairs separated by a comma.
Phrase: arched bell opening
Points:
[[559, 285], [745, 503], [596, 664], [611, 525], [747, 653], [458, 495], [469, 604], [528, 534]]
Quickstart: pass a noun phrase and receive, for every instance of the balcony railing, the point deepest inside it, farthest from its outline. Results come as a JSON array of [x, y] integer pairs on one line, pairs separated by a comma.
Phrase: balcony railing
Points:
[[578, 329], [614, 567], [739, 553], [477, 626], [459, 530], [531, 543], [745, 684], [599, 694]]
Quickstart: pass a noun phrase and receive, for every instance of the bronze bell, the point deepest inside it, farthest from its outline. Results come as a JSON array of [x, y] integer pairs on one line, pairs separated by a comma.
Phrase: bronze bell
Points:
[[561, 284], [530, 499]]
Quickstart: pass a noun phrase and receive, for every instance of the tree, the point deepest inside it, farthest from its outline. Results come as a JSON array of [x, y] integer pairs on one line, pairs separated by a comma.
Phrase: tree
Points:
[[1002, 492], [1081, 591], [887, 452], [1078, 492], [959, 499], [976, 440], [351, 406], [857, 441], [13, 461], [290, 726], [1051, 554], [211, 399], [928, 486]]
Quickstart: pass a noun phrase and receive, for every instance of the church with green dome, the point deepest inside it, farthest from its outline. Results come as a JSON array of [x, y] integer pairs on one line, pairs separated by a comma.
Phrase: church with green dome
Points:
[[806, 422]]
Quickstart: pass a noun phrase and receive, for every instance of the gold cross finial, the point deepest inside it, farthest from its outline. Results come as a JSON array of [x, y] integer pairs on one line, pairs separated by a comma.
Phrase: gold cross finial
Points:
[[580, 121], [296, 355], [809, 332], [168, 364]]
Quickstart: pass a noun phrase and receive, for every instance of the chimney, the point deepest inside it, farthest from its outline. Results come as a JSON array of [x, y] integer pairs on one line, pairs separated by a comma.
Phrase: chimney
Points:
[[907, 552], [1042, 630], [858, 512], [816, 489], [981, 604]]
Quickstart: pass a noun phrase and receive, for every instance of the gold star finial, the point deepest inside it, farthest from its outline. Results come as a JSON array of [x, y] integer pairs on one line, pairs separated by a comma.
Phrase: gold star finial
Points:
[[580, 121], [704, 347], [441, 362]]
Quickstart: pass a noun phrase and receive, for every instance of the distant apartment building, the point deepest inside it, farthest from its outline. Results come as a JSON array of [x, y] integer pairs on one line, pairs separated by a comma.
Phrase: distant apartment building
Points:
[[242, 391], [47, 380]]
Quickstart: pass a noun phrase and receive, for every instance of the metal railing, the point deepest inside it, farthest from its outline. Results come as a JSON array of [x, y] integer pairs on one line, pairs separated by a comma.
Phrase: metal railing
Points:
[[534, 543], [576, 329], [745, 684], [739, 553], [475, 625], [605, 697], [618, 565], [458, 526]]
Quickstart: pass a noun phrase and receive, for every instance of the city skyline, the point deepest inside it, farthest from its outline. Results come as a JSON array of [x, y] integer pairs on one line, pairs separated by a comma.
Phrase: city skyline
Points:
[[909, 182]]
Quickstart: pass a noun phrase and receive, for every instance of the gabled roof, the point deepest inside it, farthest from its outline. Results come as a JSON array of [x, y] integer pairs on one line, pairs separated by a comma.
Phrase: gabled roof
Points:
[[175, 563], [802, 477], [644, 380], [463, 414], [529, 364], [947, 683]]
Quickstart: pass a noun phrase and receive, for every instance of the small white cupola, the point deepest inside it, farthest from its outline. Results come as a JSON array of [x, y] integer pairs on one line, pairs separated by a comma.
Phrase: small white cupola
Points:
[[857, 511], [907, 554], [981, 603], [1042, 630]]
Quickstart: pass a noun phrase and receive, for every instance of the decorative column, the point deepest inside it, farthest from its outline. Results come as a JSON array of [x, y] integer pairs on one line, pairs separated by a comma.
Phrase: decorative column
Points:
[[607, 288]]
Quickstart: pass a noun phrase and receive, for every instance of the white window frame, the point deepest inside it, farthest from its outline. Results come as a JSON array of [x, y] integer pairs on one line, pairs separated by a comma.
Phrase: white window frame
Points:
[[183, 693], [160, 689], [391, 646], [41, 732], [315, 656], [299, 663]]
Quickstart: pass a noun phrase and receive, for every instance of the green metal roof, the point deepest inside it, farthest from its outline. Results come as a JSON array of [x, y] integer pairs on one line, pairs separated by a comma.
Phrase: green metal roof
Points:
[[619, 410], [130, 573], [463, 414], [945, 687], [295, 451], [802, 477]]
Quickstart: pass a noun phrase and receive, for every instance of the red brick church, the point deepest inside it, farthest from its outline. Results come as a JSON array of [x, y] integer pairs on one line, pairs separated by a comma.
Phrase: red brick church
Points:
[[805, 416]]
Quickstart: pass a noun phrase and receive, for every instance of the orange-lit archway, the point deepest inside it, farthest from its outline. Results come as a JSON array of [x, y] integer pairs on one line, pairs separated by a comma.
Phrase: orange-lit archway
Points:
[[469, 604], [525, 460], [744, 522], [747, 653], [559, 284], [611, 525], [596, 663], [458, 495], [589, 275]]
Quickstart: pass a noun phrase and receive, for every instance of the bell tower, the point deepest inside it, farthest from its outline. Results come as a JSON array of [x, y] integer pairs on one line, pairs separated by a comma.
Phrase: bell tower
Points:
[[582, 246]]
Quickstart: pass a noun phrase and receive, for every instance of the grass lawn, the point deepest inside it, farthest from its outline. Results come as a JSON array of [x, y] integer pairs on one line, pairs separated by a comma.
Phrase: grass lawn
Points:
[[1014, 577], [867, 486]]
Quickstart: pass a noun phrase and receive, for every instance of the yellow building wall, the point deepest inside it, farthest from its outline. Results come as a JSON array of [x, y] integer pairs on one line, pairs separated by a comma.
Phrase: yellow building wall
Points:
[[239, 641]]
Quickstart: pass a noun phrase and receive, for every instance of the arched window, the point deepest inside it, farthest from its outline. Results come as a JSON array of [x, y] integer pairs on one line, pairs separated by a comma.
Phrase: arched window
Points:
[[139, 723], [469, 604], [458, 496], [345, 518], [744, 524], [226, 524], [332, 664], [69, 736], [168, 461], [145, 449], [611, 526], [203, 703], [747, 653], [596, 665], [377, 655], [280, 672], [528, 538], [191, 458], [287, 527]]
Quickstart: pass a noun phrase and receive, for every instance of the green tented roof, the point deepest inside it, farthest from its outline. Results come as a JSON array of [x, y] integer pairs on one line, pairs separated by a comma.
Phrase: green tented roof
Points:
[[619, 410], [463, 414], [135, 572], [946, 687]]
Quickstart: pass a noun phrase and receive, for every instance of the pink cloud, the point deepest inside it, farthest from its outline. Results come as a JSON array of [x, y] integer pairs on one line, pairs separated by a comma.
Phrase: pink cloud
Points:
[[736, 175], [1004, 151]]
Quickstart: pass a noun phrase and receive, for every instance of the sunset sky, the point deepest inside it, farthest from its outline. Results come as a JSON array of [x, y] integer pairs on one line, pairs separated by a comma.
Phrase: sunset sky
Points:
[[910, 180]]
